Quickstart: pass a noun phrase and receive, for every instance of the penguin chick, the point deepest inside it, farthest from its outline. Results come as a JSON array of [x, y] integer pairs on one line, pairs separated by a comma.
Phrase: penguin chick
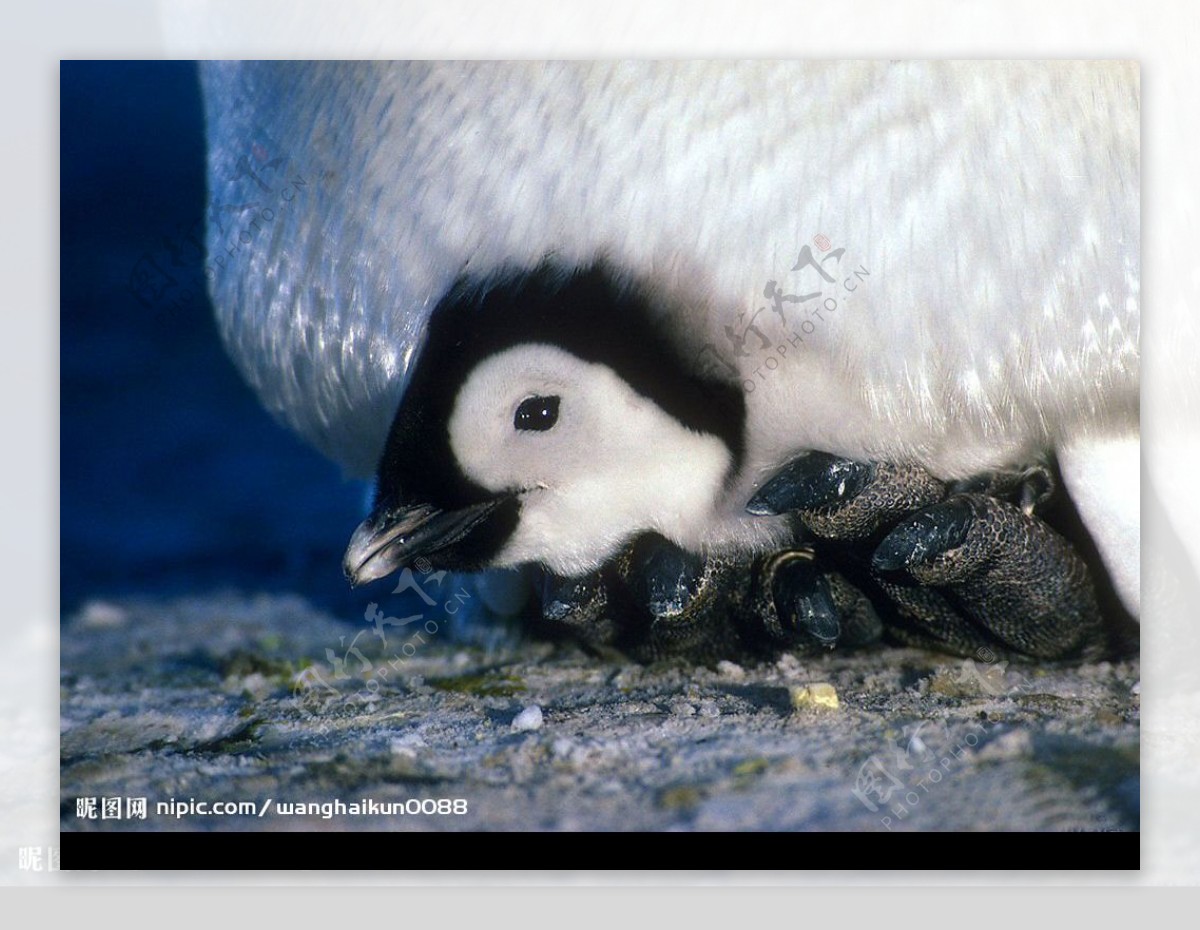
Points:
[[992, 207], [550, 420]]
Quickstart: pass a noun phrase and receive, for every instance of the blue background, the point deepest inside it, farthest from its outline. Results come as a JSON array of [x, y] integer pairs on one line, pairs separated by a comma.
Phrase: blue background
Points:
[[173, 478]]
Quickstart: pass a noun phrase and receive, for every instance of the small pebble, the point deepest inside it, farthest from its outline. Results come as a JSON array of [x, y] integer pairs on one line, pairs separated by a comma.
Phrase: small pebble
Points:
[[407, 744], [528, 719], [731, 670], [102, 615], [255, 684], [820, 694], [1014, 744]]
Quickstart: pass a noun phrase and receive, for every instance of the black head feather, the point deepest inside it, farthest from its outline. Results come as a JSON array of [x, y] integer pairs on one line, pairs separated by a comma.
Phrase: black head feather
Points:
[[591, 313]]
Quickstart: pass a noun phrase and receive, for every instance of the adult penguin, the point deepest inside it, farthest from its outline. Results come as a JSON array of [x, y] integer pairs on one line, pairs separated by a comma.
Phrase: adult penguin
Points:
[[557, 306]]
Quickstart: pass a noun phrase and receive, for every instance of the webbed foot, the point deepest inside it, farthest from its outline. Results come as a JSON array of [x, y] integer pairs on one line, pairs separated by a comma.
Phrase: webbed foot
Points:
[[885, 550], [958, 567]]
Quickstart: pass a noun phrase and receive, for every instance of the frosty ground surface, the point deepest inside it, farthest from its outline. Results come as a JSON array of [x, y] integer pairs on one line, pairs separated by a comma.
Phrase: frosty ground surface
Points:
[[249, 699]]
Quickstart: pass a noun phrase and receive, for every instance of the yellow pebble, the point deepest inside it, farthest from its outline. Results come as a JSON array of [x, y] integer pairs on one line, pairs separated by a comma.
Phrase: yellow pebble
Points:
[[821, 694]]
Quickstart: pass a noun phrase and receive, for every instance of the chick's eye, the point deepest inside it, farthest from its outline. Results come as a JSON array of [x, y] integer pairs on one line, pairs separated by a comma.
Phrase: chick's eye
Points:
[[536, 413]]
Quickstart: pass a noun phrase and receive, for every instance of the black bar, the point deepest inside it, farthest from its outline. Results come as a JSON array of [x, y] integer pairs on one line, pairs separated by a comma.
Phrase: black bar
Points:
[[354, 851]]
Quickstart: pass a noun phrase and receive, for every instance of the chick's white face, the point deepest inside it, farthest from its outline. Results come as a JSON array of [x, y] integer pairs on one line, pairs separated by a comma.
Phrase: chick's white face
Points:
[[593, 461]]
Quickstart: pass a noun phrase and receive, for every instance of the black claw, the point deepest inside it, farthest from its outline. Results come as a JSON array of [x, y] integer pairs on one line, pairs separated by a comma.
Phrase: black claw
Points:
[[926, 534], [1029, 488], [663, 577], [1037, 487], [815, 479], [565, 598], [804, 601]]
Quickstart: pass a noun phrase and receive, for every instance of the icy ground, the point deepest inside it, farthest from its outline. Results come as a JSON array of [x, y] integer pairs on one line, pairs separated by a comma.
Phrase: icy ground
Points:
[[248, 699]]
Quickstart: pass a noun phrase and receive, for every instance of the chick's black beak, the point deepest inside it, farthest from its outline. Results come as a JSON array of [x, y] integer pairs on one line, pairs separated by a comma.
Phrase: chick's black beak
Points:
[[393, 535]]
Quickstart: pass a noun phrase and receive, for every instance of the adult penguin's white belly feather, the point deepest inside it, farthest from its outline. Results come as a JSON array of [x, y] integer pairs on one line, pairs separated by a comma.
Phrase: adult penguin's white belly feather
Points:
[[994, 208]]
